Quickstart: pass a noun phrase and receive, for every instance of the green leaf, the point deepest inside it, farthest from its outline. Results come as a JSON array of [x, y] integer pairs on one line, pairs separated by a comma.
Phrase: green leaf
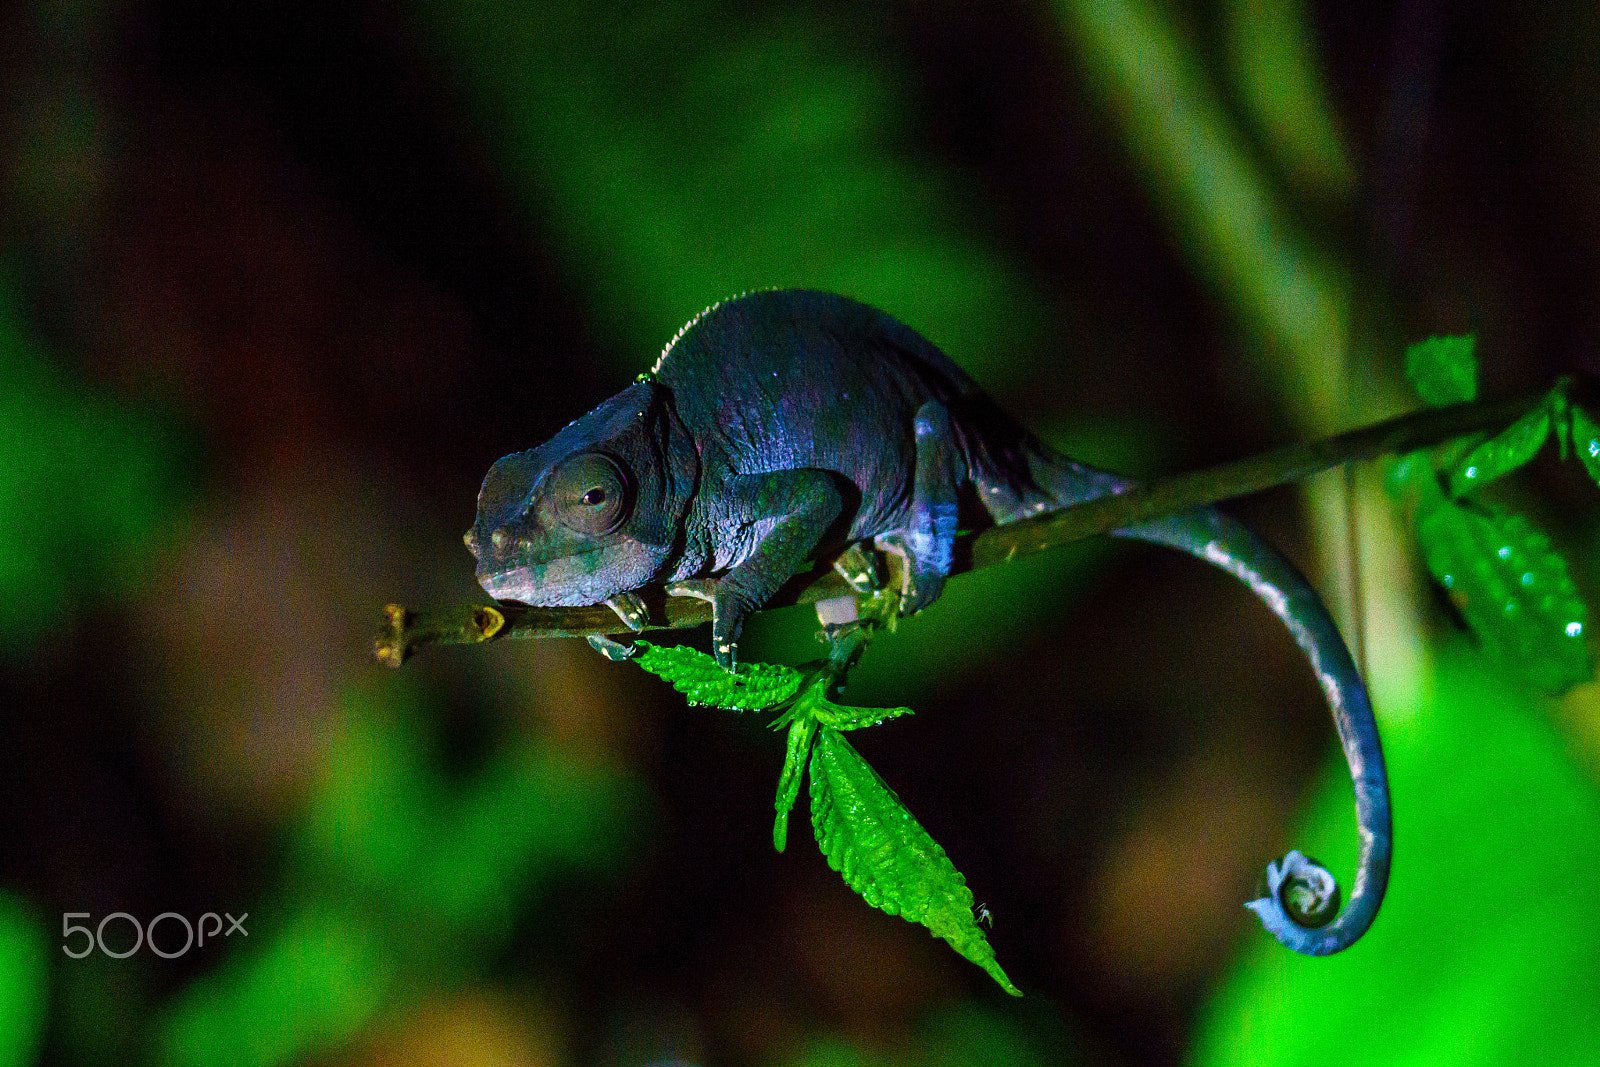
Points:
[[811, 710], [884, 854], [844, 717], [1443, 369], [1512, 588], [801, 731], [698, 677], [1586, 441], [1504, 452]]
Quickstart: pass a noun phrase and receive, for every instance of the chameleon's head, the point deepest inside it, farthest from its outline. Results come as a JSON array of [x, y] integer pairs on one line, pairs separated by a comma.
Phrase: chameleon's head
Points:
[[591, 513]]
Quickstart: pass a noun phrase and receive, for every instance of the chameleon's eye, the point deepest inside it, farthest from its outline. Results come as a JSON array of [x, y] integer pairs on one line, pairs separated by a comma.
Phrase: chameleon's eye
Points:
[[588, 494]]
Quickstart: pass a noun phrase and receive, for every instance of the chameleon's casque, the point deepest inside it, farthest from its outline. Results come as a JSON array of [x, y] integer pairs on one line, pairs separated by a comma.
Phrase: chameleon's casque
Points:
[[784, 425]]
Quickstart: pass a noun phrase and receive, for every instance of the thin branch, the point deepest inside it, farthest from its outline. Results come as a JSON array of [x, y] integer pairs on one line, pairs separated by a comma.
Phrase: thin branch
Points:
[[406, 631]]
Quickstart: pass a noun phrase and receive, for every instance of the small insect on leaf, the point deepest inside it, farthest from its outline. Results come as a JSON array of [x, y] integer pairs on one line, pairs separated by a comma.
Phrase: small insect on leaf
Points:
[[1444, 370], [884, 854], [1504, 452], [699, 678], [1511, 587]]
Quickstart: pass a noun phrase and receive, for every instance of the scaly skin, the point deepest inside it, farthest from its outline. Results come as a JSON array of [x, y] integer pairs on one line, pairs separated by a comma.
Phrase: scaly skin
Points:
[[784, 425]]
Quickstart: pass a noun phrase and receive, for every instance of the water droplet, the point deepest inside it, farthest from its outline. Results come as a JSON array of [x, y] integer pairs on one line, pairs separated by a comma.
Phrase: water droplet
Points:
[[1504, 552], [1574, 629], [1471, 472]]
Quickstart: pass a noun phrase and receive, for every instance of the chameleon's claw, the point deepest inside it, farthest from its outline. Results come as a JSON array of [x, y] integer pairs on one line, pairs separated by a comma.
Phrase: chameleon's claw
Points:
[[727, 655], [630, 609], [615, 651]]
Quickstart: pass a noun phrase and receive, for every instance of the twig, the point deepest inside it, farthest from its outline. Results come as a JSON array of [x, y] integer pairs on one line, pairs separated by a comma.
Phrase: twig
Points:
[[406, 631]]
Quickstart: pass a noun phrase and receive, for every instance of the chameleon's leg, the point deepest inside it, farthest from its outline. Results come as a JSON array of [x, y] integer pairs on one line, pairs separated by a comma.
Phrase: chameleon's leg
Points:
[[796, 508], [928, 542], [1299, 885]]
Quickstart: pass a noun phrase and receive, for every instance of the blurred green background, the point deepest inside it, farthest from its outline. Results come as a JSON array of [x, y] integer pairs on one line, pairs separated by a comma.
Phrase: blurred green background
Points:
[[278, 282]]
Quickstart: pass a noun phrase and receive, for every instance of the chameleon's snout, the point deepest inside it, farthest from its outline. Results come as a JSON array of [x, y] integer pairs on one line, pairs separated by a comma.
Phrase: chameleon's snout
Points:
[[501, 543]]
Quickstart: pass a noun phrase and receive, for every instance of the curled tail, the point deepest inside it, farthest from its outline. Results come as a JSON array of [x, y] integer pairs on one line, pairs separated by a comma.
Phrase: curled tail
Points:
[[1302, 896]]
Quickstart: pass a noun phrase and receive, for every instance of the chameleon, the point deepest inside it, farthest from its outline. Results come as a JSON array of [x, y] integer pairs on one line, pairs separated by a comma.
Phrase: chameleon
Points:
[[787, 425]]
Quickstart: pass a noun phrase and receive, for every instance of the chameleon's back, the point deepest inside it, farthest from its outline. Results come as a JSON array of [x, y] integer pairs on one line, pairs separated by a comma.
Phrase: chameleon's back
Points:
[[748, 374]]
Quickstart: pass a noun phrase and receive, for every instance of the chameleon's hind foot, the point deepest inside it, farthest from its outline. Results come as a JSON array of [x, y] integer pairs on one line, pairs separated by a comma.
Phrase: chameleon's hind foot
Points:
[[923, 581], [927, 542], [859, 568]]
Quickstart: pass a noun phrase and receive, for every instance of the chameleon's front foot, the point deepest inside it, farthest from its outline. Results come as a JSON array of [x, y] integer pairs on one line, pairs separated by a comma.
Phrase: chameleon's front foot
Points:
[[726, 622], [615, 651], [630, 609]]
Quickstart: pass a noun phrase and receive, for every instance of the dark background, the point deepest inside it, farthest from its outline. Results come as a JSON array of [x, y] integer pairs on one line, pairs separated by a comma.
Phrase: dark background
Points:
[[279, 281]]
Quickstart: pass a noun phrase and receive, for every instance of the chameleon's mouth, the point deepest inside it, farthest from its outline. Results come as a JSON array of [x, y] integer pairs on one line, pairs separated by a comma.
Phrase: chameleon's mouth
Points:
[[573, 579], [560, 582]]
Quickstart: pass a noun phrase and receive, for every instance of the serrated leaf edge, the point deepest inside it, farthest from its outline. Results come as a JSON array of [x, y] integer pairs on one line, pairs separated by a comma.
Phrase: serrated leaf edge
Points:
[[860, 853], [704, 682]]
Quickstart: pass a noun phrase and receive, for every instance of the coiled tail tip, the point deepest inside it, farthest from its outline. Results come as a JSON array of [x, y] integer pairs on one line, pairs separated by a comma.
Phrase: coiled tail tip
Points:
[[1301, 901]]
